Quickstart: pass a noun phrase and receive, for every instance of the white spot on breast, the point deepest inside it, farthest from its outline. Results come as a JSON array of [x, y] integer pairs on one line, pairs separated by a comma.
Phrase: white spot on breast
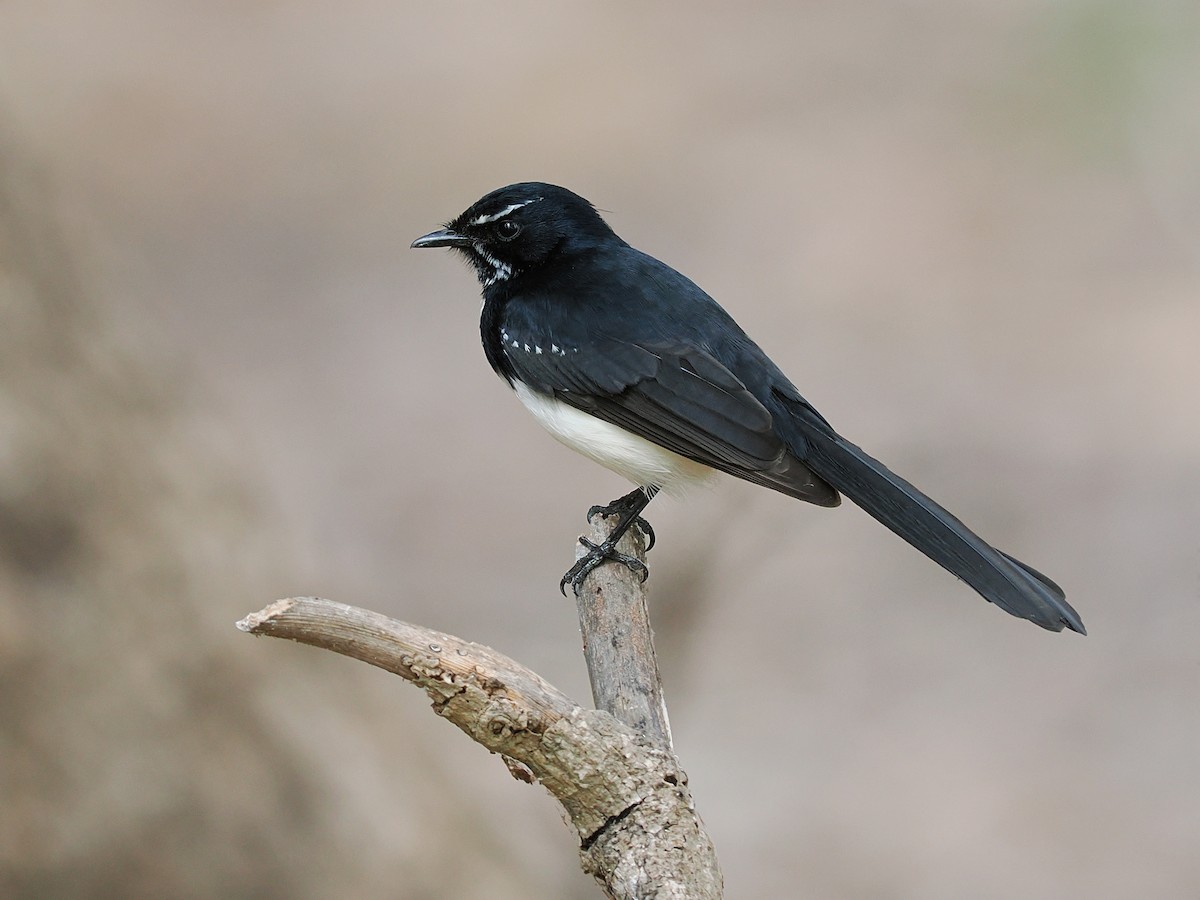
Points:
[[642, 462]]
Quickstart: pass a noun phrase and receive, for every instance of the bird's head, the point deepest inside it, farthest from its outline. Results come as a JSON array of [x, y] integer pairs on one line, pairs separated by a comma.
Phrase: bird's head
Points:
[[519, 227]]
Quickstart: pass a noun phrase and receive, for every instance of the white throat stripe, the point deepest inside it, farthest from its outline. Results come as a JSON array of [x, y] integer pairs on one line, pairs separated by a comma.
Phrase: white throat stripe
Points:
[[483, 220]]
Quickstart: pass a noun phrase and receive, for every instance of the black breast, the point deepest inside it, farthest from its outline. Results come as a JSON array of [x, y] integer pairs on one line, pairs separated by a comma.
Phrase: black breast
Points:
[[490, 331]]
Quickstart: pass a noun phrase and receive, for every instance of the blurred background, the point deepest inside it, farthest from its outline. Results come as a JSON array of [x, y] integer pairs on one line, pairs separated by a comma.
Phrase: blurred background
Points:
[[970, 232]]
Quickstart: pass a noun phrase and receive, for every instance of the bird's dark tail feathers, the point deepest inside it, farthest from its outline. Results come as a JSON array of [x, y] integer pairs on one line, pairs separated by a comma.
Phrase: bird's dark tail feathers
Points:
[[1010, 584]]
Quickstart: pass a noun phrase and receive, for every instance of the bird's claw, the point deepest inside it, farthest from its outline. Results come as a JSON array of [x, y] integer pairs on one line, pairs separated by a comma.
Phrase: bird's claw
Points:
[[598, 553]]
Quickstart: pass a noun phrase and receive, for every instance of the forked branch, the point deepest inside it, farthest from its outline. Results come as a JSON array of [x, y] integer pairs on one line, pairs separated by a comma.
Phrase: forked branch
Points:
[[621, 787]]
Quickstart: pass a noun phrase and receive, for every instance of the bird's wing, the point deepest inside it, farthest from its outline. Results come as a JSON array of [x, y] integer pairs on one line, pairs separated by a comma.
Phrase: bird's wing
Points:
[[679, 397]]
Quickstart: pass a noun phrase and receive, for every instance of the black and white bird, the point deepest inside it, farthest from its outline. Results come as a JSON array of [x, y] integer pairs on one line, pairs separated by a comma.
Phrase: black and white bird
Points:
[[628, 362]]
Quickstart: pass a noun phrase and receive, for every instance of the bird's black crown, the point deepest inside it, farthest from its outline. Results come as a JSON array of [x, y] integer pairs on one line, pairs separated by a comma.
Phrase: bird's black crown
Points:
[[520, 226]]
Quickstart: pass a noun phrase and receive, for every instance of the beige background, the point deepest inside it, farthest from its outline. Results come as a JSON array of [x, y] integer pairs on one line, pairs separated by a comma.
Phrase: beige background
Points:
[[970, 232]]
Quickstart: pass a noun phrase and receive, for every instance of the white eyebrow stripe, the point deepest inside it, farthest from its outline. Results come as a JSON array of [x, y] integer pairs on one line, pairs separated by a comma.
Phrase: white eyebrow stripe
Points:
[[483, 220]]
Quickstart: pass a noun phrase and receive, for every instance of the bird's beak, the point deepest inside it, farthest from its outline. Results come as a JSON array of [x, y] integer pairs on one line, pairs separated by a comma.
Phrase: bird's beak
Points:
[[442, 238]]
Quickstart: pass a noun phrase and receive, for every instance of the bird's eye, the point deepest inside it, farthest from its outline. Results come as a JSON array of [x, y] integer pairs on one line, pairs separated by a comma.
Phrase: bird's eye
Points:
[[507, 230]]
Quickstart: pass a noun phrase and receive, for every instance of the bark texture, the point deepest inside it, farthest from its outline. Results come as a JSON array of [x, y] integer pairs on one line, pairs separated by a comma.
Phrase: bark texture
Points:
[[623, 791]]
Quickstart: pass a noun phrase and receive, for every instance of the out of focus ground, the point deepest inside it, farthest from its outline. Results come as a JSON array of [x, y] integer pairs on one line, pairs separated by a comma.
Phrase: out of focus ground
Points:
[[969, 232]]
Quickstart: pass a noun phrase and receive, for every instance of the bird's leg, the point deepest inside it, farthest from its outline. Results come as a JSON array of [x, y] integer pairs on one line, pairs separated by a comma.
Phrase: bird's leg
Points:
[[636, 498], [628, 508]]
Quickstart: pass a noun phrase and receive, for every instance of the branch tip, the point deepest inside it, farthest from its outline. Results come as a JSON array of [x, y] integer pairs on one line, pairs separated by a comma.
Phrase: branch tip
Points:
[[255, 621]]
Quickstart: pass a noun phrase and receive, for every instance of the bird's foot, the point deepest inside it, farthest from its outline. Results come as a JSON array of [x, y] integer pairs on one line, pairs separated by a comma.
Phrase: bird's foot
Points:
[[598, 553], [627, 509], [620, 507]]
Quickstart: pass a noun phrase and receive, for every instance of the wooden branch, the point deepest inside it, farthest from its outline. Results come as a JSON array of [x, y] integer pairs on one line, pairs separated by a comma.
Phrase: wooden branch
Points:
[[618, 644], [626, 796]]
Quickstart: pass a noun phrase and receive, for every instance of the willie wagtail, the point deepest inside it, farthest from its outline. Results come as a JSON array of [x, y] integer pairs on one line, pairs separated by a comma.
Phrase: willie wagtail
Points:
[[628, 362]]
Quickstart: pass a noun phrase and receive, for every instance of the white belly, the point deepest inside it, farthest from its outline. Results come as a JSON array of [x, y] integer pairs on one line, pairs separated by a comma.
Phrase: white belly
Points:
[[642, 462]]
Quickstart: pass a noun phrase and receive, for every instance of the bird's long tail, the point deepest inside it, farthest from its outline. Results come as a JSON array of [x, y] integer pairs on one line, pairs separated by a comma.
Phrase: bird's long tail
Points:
[[1010, 584]]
